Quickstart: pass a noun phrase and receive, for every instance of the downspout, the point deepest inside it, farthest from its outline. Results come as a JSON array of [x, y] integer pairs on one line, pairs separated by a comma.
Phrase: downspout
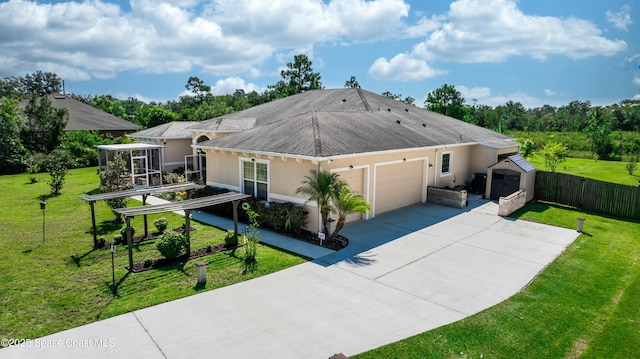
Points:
[[435, 171]]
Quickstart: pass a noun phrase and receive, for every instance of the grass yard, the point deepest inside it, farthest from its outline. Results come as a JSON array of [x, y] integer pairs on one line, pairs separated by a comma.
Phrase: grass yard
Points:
[[586, 304], [608, 171], [63, 283]]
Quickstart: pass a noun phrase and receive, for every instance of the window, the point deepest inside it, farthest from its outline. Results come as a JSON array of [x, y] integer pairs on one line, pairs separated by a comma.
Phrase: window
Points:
[[446, 164], [255, 179]]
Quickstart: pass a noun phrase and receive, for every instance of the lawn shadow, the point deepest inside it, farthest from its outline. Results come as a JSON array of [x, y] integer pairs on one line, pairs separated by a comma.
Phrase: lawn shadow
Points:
[[94, 191], [107, 226], [44, 197], [113, 291], [77, 259]]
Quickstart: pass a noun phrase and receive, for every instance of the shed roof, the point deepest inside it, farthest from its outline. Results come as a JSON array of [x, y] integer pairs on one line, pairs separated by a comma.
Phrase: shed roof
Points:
[[519, 161], [323, 123]]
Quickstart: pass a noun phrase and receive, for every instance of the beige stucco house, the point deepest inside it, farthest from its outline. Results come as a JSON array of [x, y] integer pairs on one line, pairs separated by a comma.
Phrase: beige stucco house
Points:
[[386, 150]]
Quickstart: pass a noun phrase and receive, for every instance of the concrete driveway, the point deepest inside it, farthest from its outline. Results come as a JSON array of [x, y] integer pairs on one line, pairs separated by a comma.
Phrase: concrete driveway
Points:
[[403, 273]]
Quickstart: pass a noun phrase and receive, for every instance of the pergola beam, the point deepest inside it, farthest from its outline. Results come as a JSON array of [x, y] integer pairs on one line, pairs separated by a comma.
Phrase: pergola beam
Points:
[[144, 192], [187, 206]]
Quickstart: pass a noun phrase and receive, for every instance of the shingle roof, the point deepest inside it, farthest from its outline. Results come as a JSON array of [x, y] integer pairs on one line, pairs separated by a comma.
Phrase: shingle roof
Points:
[[175, 129], [87, 117], [522, 163], [337, 122]]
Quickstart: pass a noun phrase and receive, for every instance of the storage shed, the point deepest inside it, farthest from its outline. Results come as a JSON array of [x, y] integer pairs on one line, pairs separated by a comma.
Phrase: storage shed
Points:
[[510, 175]]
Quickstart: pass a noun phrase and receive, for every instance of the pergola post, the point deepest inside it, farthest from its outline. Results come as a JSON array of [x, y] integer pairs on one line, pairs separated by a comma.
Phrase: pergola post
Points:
[[93, 222], [144, 203], [129, 242], [234, 204], [187, 229]]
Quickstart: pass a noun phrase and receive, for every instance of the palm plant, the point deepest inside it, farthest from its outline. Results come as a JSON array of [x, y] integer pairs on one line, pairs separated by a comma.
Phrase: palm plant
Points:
[[347, 202], [321, 187]]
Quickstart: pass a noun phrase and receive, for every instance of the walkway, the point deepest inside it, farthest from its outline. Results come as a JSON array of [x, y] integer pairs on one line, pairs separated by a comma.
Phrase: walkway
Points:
[[403, 273]]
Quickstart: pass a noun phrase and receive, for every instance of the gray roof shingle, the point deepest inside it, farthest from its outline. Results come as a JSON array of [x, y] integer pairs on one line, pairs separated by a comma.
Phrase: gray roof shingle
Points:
[[87, 117], [175, 129], [324, 123]]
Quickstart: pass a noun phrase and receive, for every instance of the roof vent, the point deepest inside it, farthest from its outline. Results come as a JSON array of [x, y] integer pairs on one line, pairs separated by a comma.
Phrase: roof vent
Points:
[[424, 125], [389, 109], [406, 110], [398, 122], [59, 97], [344, 100]]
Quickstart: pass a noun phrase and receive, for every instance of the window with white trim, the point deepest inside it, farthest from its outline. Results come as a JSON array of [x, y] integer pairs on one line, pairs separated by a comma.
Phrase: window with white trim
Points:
[[255, 179], [446, 163]]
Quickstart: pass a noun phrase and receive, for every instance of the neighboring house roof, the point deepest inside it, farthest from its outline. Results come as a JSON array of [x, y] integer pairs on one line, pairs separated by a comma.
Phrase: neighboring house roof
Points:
[[175, 129], [87, 117], [323, 123]]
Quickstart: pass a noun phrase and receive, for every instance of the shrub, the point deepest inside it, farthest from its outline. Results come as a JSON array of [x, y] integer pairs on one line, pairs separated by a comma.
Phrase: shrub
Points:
[[123, 232], [173, 178], [171, 244], [161, 224], [148, 263], [231, 239], [118, 239], [101, 242]]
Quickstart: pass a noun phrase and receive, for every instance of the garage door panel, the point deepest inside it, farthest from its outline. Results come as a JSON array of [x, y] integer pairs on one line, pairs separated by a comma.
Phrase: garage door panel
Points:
[[398, 185], [355, 180]]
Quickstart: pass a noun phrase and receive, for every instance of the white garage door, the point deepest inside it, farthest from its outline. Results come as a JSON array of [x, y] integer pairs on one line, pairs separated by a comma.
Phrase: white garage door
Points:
[[355, 180], [398, 185]]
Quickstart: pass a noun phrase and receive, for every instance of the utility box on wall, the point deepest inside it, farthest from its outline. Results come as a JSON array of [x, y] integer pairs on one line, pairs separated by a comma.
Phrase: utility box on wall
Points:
[[510, 175]]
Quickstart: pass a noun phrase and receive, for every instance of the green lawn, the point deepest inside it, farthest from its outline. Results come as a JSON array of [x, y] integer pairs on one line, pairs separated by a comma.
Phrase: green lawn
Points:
[[63, 283], [608, 171], [586, 304]]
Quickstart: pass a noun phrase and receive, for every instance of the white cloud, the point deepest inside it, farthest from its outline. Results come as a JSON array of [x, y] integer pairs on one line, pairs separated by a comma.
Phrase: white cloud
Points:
[[424, 26], [474, 93], [636, 97], [402, 68], [636, 80], [231, 84], [621, 19], [494, 30], [96, 39]]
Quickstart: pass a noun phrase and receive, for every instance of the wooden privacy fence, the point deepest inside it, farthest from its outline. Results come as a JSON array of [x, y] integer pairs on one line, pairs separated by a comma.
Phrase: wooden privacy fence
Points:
[[588, 194]]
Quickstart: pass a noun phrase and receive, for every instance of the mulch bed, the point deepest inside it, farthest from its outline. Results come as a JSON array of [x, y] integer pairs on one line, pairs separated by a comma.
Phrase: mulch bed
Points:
[[164, 262], [337, 244]]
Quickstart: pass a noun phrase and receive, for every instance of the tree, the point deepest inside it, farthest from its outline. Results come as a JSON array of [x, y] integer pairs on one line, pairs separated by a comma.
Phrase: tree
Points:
[[198, 88], [44, 125], [12, 154], [57, 163], [299, 75], [398, 97], [347, 202], [598, 133], [321, 187], [526, 148], [352, 83], [116, 178], [447, 101], [41, 83], [10, 87], [554, 153]]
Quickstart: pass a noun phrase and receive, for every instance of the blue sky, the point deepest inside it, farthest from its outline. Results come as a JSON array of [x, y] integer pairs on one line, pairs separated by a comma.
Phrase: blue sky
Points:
[[533, 51]]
